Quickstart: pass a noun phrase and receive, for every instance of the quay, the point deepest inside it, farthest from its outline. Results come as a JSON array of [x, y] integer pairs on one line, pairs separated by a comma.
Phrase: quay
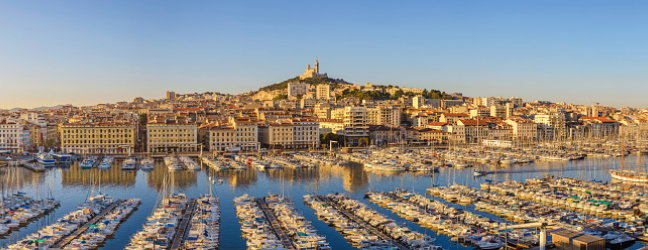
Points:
[[67, 239], [176, 243], [362, 222], [31, 166], [276, 227]]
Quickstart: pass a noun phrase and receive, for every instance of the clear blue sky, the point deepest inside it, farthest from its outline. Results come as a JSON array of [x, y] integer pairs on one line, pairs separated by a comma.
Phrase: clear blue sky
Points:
[[88, 52]]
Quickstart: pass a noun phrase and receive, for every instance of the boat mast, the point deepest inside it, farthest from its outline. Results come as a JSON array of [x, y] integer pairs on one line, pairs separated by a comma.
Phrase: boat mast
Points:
[[638, 166], [622, 152]]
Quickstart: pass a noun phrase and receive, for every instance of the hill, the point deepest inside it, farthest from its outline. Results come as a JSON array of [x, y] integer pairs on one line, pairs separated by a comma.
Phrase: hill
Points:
[[37, 109], [278, 91], [312, 81]]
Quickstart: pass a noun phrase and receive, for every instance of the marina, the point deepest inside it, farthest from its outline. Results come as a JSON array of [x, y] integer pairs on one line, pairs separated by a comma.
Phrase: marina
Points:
[[276, 228], [204, 228], [356, 232], [51, 235], [389, 240], [300, 231], [256, 226], [478, 206], [162, 226], [93, 234], [176, 243]]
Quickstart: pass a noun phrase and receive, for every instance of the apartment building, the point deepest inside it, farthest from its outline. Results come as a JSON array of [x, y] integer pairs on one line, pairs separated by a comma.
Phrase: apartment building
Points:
[[276, 135], [437, 126], [382, 135], [323, 111], [271, 115], [337, 114], [289, 134], [600, 127], [12, 136], [523, 129], [499, 111], [171, 135], [479, 111], [297, 88], [450, 103], [434, 135], [239, 134], [355, 125], [552, 125], [323, 92], [98, 138], [452, 118], [471, 131], [384, 115], [335, 126], [306, 133]]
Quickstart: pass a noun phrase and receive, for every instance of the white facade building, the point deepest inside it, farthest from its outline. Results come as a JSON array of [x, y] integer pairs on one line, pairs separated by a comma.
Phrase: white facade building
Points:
[[11, 136], [323, 92], [297, 88]]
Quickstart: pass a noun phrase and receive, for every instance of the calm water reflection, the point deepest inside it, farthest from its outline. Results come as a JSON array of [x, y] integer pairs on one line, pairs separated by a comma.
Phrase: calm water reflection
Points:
[[73, 185]]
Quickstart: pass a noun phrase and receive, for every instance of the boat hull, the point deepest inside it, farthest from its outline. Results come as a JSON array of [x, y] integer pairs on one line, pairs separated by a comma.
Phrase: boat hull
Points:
[[632, 177]]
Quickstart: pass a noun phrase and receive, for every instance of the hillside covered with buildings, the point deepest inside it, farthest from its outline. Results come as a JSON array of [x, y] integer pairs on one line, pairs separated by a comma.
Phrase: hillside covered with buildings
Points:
[[306, 112]]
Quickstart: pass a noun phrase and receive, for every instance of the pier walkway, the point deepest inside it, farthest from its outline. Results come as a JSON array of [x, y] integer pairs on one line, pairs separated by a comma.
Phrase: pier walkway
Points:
[[33, 166], [362, 222], [176, 243], [67, 239], [276, 227]]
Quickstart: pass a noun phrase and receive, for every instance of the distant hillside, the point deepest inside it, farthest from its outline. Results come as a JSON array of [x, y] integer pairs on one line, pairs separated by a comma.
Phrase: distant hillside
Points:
[[278, 91], [37, 109]]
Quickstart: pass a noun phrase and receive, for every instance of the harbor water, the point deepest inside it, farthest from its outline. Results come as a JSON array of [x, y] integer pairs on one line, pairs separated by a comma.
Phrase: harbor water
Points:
[[72, 185]]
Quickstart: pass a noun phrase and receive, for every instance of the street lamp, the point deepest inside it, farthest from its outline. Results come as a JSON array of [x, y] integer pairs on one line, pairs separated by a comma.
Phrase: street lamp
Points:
[[198, 144]]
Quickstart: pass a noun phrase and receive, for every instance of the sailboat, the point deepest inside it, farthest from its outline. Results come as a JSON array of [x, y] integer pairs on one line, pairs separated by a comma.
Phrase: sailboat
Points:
[[479, 172], [629, 175], [45, 158]]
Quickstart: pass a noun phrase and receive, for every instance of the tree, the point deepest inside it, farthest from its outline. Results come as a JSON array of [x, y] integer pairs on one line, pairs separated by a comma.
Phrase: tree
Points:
[[143, 119], [398, 93], [299, 96], [407, 122], [280, 97], [49, 143], [328, 137]]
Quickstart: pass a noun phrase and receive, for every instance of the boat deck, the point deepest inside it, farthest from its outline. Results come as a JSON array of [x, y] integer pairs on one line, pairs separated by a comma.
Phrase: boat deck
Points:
[[182, 164], [97, 162], [362, 222], [66, 240], [274, 223], [176, 243]]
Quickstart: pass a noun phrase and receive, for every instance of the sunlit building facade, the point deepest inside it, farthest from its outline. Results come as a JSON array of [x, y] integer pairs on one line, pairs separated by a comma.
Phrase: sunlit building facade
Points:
[[97, 138]]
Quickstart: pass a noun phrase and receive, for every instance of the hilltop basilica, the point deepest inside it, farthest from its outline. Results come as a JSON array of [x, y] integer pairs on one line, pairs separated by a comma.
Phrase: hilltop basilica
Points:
[[312, 72]]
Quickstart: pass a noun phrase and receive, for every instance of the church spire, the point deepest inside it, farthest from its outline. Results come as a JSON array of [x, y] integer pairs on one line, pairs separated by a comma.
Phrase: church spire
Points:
[[316, 66]]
